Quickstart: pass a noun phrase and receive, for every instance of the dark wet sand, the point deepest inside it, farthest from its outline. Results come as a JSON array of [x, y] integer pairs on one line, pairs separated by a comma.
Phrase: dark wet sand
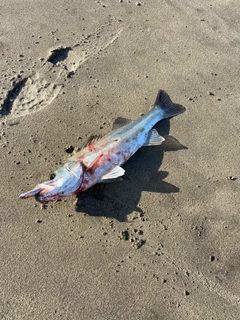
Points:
[[164, 243]]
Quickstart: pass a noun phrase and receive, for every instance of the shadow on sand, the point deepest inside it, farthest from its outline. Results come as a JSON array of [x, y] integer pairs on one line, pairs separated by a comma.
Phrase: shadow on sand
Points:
[[122, 198]]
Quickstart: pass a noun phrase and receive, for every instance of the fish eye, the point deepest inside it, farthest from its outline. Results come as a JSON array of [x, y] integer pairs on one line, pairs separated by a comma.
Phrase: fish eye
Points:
[[52, 176]]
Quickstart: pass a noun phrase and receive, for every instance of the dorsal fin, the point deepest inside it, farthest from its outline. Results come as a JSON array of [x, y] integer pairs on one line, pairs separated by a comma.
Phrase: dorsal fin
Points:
[[120, 122], [94, 138], [89, 143], [91, 140]]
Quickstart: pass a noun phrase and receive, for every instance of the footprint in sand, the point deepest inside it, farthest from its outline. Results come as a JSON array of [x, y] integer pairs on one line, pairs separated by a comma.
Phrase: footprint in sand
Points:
[[34, 95], [36, 92]]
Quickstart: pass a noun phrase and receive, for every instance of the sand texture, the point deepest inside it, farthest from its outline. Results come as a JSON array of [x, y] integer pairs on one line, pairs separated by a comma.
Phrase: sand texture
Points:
[[163, 243]]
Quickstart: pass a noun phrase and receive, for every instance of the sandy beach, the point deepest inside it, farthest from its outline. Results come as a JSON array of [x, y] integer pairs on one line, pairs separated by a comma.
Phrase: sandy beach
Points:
[[164, 242]]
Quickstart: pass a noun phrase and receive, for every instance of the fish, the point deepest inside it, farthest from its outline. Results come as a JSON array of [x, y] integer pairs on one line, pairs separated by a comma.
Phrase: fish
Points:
[[101, 160]]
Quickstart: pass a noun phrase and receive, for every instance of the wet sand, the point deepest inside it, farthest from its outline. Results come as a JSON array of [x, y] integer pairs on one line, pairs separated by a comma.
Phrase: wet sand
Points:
[[163, 243]]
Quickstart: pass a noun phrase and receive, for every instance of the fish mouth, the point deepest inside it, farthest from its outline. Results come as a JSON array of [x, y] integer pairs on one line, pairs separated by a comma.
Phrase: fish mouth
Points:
[[42, 194], [40, 197], [39, 193], [29, 194]]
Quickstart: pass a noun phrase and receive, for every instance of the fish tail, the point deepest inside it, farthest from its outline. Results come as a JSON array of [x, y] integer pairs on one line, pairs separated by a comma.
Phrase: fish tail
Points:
[[167, 107]]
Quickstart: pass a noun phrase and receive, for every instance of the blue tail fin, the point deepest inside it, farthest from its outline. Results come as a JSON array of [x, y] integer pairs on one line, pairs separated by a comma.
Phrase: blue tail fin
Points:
[[168, 108]]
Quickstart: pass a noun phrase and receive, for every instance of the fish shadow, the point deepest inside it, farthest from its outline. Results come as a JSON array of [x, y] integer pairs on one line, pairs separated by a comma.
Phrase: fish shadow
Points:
[[141, 174]]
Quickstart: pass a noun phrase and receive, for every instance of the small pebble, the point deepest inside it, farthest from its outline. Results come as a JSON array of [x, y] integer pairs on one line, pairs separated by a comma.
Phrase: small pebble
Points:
[[125, 235], [69, 149], [212, 258], [231, 178]]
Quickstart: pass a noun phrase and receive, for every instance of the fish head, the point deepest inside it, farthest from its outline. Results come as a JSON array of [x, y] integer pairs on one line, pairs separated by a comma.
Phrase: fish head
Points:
[[63, 182]]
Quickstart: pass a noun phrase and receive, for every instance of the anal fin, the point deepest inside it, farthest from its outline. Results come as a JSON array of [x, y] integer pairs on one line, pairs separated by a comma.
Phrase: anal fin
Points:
[[153, 139]]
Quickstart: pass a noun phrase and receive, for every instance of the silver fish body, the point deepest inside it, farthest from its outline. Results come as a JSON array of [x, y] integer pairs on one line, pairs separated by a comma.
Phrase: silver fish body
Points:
[[101, 159]]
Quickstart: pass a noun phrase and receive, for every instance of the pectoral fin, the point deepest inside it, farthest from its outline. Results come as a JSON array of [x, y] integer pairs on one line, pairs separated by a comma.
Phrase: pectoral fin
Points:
[[113, 174], [153, 139], [93, 165]]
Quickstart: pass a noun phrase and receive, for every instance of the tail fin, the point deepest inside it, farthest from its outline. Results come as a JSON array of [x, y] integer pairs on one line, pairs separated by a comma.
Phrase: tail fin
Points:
[[169, 108]]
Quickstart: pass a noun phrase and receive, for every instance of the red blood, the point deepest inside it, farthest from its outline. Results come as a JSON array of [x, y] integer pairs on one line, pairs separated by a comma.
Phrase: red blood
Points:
[[91, 147], [82, 186]]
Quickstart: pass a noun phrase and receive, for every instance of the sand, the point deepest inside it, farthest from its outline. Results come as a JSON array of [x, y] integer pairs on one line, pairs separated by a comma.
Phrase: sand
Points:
[[163, 243]]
